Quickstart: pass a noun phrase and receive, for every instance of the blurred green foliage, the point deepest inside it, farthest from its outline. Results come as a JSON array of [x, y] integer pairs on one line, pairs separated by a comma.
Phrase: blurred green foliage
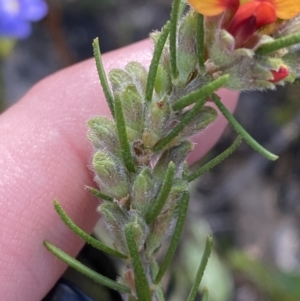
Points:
[[276, 285]]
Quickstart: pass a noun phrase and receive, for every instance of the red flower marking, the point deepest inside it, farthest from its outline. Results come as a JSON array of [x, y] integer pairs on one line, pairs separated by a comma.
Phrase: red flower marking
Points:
[[282, 73]]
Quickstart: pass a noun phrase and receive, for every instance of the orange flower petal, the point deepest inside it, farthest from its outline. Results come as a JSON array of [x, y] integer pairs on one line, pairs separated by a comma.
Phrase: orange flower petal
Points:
[[213, 7], [286, 9]]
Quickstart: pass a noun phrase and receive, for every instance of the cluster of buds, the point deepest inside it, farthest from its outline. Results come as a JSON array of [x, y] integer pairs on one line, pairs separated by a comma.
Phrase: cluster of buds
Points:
[[143, 192], [235, 30]]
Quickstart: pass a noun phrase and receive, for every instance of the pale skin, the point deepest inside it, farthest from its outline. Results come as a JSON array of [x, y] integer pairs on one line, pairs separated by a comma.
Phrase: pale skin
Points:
[[44, 154]]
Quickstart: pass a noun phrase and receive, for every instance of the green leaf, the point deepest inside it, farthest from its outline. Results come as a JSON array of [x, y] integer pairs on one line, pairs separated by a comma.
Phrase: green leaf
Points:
[[122, 134], [241, 131], [200, 94], [97, 193], [102, 76], [278, 44], [155, 61], [140, 279], [201, 269], [159, 289], [182, 206], [86, 237], [200, 40], [163, 194], [217, 160], [185, 120], [173, 37], [78, 266]]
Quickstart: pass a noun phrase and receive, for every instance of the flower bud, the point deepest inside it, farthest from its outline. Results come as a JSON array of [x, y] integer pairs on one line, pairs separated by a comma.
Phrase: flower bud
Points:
[[157, 115], [205, 117], [119, 79], [115, 218], [176, 154], [102, 134], [187, 50], [110, 175], [132, 105], [162, 81], [138, 74], [139, 229], [164, 223], [142, 191], [279, 75]]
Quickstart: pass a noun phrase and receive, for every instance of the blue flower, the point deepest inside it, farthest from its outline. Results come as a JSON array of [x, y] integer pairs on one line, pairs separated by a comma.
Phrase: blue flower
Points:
[[16, 15]]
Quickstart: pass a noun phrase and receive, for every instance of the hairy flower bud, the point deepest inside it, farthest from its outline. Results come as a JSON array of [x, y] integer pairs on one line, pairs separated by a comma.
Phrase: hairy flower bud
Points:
[[162, 81], [102, 134], [163, 225], [138, 74], [115, 218], [139, 229], [119, 79], [111, 175], [157, 115], [132, 105], [187, 58], [204, 118], [142, 191], [176, 154]]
